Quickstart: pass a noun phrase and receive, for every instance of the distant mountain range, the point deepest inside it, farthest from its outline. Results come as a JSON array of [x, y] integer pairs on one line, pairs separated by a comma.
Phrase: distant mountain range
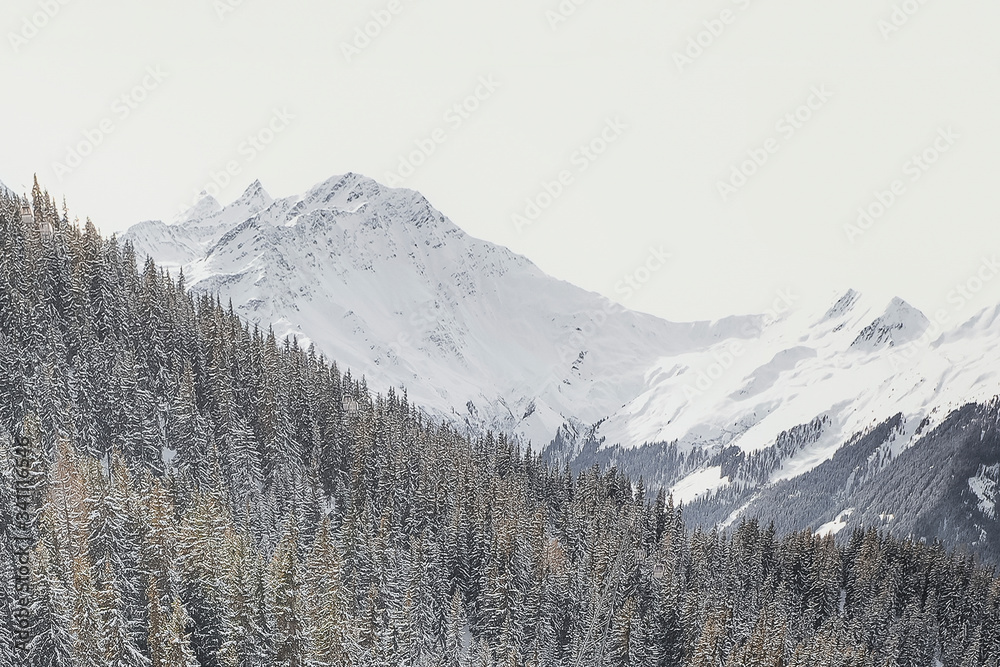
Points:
[[736, 417]]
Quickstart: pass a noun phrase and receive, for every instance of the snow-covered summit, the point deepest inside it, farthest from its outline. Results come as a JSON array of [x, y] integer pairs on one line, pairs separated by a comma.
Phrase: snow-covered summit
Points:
[[205, 207], [898, 325]]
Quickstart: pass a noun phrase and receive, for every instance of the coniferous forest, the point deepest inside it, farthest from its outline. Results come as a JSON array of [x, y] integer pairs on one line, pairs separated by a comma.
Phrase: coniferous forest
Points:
[[179, 489]]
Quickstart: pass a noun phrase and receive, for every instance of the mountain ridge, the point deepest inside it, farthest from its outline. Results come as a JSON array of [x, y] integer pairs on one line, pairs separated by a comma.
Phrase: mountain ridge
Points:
[[380, 280]]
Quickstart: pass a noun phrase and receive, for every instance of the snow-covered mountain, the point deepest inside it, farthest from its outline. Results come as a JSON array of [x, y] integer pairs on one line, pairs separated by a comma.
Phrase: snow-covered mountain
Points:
[[857, 363], [389, 287], [725, 414], [893, 417]]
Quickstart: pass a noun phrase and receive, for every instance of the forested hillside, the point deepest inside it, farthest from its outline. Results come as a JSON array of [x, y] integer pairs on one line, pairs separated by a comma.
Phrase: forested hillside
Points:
[[181, 490]]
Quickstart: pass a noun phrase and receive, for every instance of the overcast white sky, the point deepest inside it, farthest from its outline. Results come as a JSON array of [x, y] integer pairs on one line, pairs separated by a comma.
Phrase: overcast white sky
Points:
[[225, 74]]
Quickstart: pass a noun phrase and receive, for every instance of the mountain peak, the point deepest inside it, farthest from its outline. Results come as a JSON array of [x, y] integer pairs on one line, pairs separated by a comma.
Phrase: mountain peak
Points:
[[253, 200], [899, 324], [347, 192], [255, 193], [205, 207]]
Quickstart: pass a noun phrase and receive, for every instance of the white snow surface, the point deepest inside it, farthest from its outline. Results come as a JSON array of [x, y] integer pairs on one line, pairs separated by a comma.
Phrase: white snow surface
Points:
[[837, 525], [705, 481], [389, 287]]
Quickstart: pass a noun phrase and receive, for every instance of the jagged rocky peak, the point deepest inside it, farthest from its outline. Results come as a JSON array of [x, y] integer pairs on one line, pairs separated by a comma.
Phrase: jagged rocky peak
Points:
[[898, 325], [360, 203], [255, 197], [347, 192]]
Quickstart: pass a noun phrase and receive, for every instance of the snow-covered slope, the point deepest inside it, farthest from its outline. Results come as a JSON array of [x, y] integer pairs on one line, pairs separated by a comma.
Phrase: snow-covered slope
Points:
[[388, 286], [842, 371], [745, 393]]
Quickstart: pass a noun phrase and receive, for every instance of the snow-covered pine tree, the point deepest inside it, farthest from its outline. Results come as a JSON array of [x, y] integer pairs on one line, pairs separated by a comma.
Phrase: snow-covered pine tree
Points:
[[118, 647], [177, 641], [286, 600]]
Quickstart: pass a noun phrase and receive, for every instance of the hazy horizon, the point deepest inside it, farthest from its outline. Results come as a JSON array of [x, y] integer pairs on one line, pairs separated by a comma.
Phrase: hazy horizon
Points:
[[609, 119]]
